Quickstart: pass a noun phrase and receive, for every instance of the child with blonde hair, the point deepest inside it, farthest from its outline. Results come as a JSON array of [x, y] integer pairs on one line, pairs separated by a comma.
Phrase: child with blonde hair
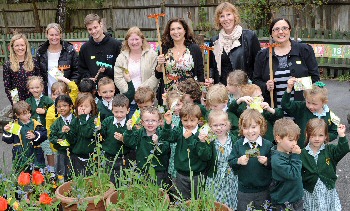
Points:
[[319, 161], [221, 178], [250, 159], [314, 106], [286, 188], [235, 80]]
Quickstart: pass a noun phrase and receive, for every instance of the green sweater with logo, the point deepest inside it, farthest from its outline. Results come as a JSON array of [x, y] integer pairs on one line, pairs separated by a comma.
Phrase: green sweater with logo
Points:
[[325, 168], [56, 133], [287, 185], [45, 102], [302, 115], [139, 140], [253, 177]]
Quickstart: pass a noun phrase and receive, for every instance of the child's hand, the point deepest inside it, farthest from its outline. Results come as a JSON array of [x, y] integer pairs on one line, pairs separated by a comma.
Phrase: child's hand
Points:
[[119, 136], [341, 130], [243, 160], [127, 76], [296, 150], [65, 129], [262, 160], [81, 111], [102, 69], [290, 84], [128, 124], [168, 117], [155, 138], [208, 82], [95, 122], [7, 127], [202, 136], [270, 85], [266, 106], [40, 111], [30, 135], [164, 96], [187, 133], [246, 99]]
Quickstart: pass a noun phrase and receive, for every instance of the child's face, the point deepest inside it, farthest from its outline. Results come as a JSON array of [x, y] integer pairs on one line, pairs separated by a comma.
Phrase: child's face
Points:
[[178, 106], [63, 108], [219, 126], [218, 106], [232, 89], [258, 93], [314, 103], [317, 139], [150, 122], [286, 143], [189, 123], [120, 112], [145, 105], [84, 108], [24, 117], [187, 98], [57, 93], [36, 88], [252, 131], [107, 92]]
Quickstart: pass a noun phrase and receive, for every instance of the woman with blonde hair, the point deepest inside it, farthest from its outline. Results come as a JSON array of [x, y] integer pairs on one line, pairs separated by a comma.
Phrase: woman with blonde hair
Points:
[[20, 66], [139, 59], [56, 53]]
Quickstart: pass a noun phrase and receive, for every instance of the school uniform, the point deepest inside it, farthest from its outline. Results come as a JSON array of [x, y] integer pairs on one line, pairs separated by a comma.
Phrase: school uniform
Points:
[[105, 109]]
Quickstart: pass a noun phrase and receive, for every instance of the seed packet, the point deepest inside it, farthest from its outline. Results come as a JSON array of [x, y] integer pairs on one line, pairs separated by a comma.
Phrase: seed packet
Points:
[[303, 83]]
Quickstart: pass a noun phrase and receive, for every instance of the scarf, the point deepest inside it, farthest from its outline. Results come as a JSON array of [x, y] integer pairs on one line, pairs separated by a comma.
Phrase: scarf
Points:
[[226, 42]]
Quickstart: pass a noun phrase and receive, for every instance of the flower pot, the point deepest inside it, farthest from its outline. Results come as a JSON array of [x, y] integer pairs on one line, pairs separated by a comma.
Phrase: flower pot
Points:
[[218, 206], [70, 203]]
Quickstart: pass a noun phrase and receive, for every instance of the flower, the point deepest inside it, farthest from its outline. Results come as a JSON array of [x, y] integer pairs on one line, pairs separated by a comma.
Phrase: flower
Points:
[[45, 199], [24, 179], [3, 204], [38, 178], [320, 84]]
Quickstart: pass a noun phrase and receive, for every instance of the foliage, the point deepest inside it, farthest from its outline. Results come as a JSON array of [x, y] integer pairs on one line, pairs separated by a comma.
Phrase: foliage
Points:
[[345, 77], [203, 24]]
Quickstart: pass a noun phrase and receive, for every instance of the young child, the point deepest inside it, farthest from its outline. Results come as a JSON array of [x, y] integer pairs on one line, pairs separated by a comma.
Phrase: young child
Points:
[[286, 188], [27, 143], [217, 99], [251, 94], [144, 97], [145, 141], [235, 80], [106, 90], [191, 153], [174, 98], [112, 129], [250, 158], [81, 132], [39, 104], [89, 86], [319, 161], [58, 136], [315, 106], [222, 180]]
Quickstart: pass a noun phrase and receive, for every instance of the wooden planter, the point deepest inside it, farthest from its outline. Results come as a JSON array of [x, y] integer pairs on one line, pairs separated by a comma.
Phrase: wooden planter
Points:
[[66, 201]]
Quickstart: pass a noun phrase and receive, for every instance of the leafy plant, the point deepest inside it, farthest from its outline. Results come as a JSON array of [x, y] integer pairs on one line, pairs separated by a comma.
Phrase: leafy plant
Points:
[[203, 24], [345, 77]]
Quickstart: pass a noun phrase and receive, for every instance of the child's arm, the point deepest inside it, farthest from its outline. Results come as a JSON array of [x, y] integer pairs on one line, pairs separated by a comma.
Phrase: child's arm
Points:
[[131, 89], [293, 108], [50, 119], [130, 136], [271, 116], [40, 134], [288, 169], [202, 149], [340, 150], [72, 86], [6, 136]]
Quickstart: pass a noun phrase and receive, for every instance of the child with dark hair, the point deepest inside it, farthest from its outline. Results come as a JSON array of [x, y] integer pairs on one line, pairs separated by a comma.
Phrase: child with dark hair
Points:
[[26, 142], [89, 86], [58, 137]]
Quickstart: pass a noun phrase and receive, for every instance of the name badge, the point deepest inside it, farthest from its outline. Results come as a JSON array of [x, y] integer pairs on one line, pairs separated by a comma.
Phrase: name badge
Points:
[[298, 62]]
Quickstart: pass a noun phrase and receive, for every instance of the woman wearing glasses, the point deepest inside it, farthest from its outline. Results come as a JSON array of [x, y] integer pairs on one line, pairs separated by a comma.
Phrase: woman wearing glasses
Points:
[[289, 59]]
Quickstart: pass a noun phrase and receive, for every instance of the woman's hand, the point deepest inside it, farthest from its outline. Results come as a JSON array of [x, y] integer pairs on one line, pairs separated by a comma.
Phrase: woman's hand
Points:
[[161, 61], [270, 85]]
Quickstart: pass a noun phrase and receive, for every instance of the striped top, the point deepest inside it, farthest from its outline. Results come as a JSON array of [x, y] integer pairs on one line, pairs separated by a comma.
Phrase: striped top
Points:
[[282, 75]]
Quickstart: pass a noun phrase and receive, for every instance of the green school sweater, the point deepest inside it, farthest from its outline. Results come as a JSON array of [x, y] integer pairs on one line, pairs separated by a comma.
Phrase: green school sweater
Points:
[[253, 177], [302, 115], [56, 133], [130, 94], [82, 136], [190, 154], [138, 139], [269, 117], [110, 145], [104, 111], [45, 102], [287, 185], [326, 165]]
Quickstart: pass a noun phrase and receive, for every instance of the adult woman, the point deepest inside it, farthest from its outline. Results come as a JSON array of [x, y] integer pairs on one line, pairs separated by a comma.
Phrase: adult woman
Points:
[[289, 59], [181, 56], [20, 66], [234, 48], [56, 53]]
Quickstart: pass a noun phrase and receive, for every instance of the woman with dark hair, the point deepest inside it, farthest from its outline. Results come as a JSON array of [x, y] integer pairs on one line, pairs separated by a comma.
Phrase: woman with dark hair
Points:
[[289, 59], [182, 57], [234, 47]]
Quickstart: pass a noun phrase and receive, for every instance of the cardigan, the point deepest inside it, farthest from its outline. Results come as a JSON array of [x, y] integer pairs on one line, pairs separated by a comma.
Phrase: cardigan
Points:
[[45, 102]]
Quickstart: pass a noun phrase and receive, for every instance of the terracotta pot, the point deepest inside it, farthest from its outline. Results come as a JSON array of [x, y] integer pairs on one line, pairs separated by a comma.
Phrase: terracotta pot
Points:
[[218, 206], [66, 201]]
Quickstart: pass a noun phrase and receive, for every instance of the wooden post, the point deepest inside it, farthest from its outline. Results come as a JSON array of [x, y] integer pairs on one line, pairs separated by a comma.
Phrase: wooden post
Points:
[[7, 31], [111, 16], [4, 46], [208, 49]]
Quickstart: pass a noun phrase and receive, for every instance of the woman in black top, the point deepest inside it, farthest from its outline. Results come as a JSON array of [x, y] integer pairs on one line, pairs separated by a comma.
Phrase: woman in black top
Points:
[[290, 59], [182, 57], [234, 47]]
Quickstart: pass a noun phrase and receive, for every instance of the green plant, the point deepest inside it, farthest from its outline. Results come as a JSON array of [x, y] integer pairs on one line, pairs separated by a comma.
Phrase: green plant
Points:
[[204, 24], [345, 77]]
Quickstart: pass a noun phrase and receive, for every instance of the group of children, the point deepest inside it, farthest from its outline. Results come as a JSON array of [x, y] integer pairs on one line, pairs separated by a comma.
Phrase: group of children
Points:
[[249, 153]]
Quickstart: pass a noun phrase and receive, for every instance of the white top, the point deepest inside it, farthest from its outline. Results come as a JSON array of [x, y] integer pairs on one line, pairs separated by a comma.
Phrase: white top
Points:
[[134, 68], [51, 63]]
